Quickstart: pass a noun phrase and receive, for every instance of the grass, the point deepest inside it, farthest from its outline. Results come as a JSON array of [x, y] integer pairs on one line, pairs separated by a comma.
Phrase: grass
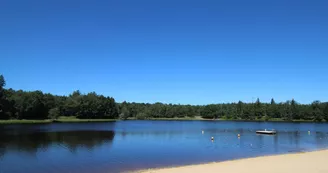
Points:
[[72, 119], [177, 118], [24, 121], [58, 120], [267, 120], [282, 120], [172, 119], [76, 120]]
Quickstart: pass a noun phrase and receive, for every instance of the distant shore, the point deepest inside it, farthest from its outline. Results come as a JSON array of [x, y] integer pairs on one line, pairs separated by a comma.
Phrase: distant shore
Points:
[[314, 162], [77, 120], [222, 119], [54, 121]]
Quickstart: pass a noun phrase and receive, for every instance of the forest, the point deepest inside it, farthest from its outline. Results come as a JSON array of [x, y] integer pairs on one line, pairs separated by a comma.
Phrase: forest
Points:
[[36, 105]]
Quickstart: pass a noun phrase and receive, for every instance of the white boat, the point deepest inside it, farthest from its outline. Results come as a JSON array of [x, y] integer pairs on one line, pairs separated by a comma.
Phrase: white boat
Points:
[[268, 132]]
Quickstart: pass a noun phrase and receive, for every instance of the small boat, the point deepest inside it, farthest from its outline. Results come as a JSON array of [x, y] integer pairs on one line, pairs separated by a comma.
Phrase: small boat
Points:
[[267, 132]]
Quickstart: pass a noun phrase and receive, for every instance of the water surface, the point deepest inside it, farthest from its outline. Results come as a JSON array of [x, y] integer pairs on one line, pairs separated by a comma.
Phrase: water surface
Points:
[[132, 145]]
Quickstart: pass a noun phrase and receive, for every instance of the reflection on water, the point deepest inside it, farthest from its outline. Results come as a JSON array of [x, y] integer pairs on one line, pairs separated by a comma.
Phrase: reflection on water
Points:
[[71, 140], [131, 145], [51, 148]]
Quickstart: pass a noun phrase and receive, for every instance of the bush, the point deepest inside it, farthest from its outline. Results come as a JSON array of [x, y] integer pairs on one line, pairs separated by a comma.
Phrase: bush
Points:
[[141, 116], [53, 113], [266, 118]]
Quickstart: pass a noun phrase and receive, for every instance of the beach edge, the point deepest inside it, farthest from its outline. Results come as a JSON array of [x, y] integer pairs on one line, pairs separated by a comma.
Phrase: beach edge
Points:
[[303, 161]]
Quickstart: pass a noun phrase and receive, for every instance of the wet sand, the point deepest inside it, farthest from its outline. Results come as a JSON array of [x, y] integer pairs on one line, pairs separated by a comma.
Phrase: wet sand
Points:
[[308, 162]]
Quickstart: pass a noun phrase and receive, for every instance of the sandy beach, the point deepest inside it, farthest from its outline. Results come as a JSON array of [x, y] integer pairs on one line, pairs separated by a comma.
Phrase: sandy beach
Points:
[[309, 162]]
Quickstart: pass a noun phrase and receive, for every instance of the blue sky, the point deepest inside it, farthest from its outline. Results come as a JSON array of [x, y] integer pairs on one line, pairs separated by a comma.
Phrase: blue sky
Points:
[[171, 51]]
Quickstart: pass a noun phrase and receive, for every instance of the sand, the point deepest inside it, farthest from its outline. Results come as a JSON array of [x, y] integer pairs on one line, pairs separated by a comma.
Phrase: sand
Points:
[[309, 162]]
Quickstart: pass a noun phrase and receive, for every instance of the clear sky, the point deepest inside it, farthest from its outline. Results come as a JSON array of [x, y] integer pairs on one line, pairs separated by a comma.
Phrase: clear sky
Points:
[[171, 51]]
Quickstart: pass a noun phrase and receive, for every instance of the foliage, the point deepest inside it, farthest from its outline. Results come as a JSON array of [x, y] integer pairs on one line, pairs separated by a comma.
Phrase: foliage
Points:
[[2, 82], [325, 112], [141, 116], [124, 112], [317, 111], [54, 113], [2, 98], [37, 105]]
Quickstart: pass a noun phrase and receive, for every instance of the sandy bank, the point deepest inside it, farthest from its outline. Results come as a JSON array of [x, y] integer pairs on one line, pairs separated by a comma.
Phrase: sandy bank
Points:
[[310, 162]]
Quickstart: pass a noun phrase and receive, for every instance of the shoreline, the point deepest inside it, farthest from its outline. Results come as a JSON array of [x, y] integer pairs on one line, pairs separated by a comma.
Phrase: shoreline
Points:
[[76, 120], [203, 119], [49, 121], [301, 162]]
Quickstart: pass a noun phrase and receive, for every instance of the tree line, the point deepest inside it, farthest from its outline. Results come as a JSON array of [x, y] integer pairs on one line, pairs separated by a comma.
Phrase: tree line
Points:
[[38, 105], [287, 111]]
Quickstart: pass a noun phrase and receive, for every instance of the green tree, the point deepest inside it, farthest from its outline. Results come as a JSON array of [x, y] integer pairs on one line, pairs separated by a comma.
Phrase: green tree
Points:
[[325, 112], [240, 110], [210, 112], [37, 105], [248, 114], [124, 113], [286, 111], [272, 110], [72, 104], [259, 112], [2, 82], [111, 108], [141, 116], [272, 102], [316, 111], [294, 110], [54, 113], [2, 97]]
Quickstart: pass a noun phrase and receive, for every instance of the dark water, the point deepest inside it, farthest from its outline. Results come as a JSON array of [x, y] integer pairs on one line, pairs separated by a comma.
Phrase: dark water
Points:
[[132, 145]]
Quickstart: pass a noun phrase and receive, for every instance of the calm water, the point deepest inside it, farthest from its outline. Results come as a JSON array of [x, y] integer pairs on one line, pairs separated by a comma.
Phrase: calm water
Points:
[[132, 145]]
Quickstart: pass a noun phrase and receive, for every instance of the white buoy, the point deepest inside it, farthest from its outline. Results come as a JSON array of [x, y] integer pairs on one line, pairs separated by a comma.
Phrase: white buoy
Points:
[[202, 131], [212, 138]]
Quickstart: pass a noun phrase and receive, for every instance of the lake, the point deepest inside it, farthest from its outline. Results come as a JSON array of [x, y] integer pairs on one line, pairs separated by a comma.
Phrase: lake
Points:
[[132, 145]]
